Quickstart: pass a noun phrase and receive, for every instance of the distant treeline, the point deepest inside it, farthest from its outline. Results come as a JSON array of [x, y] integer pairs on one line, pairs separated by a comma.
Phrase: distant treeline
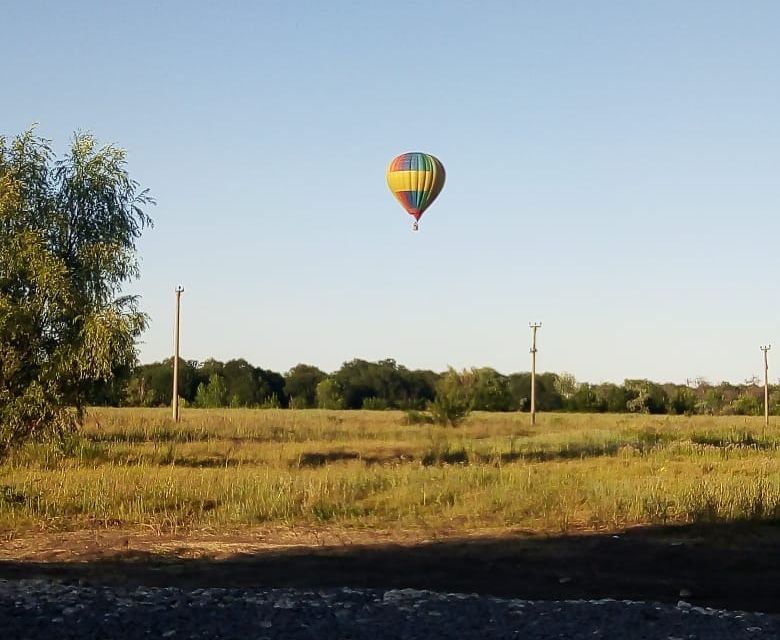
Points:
[[359, 384]]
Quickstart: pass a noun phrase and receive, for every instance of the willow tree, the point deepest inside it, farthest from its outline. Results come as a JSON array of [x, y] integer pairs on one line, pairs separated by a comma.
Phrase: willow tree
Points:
[[68, 233]]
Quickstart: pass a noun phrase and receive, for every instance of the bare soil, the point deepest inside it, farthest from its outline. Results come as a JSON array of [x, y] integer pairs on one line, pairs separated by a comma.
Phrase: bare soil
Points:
[[733, 566]]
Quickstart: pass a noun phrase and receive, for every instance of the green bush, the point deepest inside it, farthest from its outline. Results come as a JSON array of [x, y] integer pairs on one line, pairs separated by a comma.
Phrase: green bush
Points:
[[454, 400]]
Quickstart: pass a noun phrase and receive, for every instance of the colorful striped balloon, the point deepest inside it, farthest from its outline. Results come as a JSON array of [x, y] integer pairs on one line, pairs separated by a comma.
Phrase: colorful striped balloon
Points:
[[415, 180]]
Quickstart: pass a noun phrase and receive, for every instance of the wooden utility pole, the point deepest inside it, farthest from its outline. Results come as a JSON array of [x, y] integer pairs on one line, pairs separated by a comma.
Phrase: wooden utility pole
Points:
[[766, 385], [179, 291], [534, 326]]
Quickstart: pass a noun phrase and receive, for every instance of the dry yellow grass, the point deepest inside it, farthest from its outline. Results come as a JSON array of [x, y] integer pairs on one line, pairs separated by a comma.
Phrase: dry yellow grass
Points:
[[222, 469]]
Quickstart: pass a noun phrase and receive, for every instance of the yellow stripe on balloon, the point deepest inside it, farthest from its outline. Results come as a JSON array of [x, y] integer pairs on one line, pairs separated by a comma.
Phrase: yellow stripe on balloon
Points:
[[410, 180]]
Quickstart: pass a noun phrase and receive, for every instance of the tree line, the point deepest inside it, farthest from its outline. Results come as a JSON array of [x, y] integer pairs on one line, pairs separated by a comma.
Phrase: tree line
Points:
[[385, 384]]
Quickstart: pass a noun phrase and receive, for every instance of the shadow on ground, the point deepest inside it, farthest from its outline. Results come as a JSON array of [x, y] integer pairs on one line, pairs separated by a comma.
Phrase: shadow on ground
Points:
[[735, 566]]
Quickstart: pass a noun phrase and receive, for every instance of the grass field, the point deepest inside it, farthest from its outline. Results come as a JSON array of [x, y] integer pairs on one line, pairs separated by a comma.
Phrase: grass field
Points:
[[225, 469]]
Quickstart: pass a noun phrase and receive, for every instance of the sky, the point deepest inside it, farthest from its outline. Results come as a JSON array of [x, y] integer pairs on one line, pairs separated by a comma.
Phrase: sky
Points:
[[612, 172]]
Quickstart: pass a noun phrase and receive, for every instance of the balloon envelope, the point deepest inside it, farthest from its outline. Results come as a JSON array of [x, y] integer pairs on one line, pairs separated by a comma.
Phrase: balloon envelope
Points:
[[415, 180]]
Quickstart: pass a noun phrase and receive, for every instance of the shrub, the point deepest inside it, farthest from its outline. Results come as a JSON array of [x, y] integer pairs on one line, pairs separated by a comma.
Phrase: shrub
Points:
[[453, 401]]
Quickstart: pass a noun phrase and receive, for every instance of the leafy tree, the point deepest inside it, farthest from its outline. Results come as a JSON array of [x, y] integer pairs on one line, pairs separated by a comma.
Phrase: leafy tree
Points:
[[188, 379], [712, 401], [212, 395], [329, 394], [520, 390], [386, 378], [420, 388], [357, 380], [490, 391], [151, 384], [300, 384], [648, 397], [682, 401], [111, 392], [746, 404], [395, 385], [728, 393], [587, 399], [614, 397], [566, 385], [68, 232], [208, 368], [547, 398], [271, 389], [774, 401], [243, 384]]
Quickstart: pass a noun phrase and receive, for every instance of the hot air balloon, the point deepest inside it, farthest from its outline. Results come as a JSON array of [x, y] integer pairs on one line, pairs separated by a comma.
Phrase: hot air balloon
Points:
[[415, 180]]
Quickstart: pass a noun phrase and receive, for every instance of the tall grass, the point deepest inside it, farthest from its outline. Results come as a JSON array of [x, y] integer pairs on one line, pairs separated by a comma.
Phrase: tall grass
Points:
[[230, 468]]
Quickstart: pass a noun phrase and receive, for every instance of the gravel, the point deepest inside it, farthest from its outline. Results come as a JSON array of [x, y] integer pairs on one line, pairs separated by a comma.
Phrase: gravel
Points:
[[49, 609]]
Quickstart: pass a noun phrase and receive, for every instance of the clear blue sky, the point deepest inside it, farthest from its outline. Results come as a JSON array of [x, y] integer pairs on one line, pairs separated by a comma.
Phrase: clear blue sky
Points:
[[613, 170]]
